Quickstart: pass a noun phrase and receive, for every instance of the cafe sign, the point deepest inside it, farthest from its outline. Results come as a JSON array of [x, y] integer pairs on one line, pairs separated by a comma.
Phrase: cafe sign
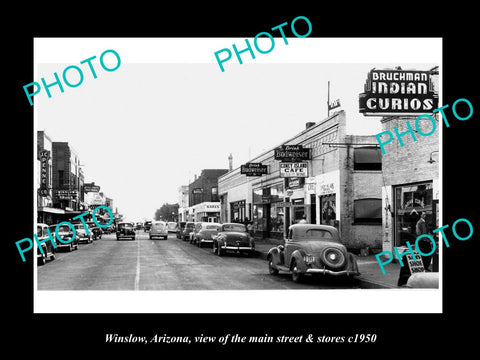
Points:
[[398, 92], [294, 169]]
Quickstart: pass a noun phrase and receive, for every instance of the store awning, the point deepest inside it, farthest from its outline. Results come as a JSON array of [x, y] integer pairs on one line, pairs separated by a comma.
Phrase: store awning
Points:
[[50, 210]]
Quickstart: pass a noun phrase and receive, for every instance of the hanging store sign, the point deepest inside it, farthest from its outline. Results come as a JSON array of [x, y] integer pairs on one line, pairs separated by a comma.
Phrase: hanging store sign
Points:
[[293, 169], [398, 92], [66, 194], [253, 169], [292, 153], [91, 187]]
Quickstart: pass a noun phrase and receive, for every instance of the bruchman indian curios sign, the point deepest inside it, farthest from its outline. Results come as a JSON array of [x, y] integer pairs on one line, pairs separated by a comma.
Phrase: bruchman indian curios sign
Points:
[[398, 92]]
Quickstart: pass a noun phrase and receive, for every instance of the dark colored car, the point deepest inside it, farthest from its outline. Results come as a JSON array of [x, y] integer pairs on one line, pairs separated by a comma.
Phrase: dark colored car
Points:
[[146, 226], [139, 226], [205, 232], [47, 248], [81, 233], [96, 231], [312, 249], [125, 230], [180, 227], [189, 227], [233, 237], [65, 233]]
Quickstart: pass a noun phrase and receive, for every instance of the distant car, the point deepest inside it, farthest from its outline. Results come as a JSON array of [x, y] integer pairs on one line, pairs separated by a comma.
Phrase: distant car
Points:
[[96, 231], [196, 227], [180, 227], [205, 233], [139, 226], [146, 226], [48, 251], [65, 233], [158, 229], [233, 237], [109, 229], [81, 233], [172, 227], [312, 249], [125, 230], [189, 227]]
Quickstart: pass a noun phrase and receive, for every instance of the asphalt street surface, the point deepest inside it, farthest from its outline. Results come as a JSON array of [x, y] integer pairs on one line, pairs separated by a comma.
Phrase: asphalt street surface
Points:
[[172, 264]]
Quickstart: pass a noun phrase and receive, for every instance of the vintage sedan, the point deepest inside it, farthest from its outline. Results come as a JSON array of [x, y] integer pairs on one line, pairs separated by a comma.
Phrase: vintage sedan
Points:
[[47, 249], [125, 230], [159, 229], [189, 227], [206, 232], [233, 237], [65, 233], [81, 233], [180, 227], [312, 249], [95, 230]]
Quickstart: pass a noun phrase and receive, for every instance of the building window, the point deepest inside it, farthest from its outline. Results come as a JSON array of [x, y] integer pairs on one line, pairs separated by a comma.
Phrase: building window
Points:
[[60, 178], [367, 158], [368, 211]]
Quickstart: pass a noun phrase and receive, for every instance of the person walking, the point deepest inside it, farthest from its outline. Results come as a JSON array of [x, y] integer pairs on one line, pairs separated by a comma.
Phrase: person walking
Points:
[[424, 245]]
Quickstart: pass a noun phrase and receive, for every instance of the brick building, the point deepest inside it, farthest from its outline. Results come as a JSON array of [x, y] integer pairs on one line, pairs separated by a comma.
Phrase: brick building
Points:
[[203, 199], [411, 180], [342, 187]]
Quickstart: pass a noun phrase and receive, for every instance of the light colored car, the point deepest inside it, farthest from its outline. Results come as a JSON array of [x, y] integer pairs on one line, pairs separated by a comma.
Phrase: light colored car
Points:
[[172, 227], [205, 233], [312, 249], [82, 235], [47, 250], [159, 229]]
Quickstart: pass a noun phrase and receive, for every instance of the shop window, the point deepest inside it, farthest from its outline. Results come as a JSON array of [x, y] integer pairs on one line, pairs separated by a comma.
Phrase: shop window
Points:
[[368, 211], [367, 158]]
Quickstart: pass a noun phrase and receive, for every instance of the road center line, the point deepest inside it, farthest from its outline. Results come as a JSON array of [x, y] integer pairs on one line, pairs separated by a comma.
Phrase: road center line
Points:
[[137, 274]]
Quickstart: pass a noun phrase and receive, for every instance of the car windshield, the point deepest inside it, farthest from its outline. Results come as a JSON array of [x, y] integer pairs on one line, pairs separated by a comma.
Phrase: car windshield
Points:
[[158, 226], [212, 227], [63, 228], [234, 227], [122, 226], [312, 234]]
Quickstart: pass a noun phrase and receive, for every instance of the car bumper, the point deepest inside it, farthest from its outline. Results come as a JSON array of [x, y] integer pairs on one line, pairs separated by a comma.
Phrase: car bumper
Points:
[[237, 248], [85, 239], [332, 272], [125, 236]]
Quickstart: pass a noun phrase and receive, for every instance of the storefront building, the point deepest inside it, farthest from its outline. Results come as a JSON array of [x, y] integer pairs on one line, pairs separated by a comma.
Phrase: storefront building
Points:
[[411, 183], [205, 212], [340, 186]]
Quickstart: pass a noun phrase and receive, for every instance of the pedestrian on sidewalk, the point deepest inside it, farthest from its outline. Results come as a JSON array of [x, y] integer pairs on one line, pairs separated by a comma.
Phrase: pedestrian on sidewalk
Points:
[[250, 228], [424, 245], [303, 220]]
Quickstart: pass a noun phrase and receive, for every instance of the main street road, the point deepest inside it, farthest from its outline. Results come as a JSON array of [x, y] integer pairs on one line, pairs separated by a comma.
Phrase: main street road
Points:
[[143, 264]]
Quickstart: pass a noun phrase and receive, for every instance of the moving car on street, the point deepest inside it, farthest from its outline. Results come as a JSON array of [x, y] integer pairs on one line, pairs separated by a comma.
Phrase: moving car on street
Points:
[[139, 226], [146, 226], [172, 227], [48, 251], [312, 249], [65, 233], [159, 229], [205, 233], [233, 237], [125, 230]]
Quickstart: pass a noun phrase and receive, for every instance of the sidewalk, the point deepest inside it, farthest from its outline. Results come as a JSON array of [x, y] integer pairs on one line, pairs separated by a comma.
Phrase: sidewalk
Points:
[[371, 276]]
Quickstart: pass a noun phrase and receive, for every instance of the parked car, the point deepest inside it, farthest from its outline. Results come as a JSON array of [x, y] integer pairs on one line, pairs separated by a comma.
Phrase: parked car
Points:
[[95, 230], [172, 227], [206, 232], [66, 234], [146, 226], [189, 227], [109, 229], [180, 227], [196, 227], [233, 237], [81, 233], [125, 230], [139, 226], [312, 249], [159, 229], [48, 250]]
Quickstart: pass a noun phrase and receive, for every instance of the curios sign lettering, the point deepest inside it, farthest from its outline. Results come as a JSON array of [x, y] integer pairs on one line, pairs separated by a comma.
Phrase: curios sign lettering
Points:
[[398, 92]]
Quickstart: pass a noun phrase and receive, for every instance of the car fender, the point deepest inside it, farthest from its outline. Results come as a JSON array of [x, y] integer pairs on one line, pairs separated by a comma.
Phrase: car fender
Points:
[[352, 264], [298, 255], [274, 254]]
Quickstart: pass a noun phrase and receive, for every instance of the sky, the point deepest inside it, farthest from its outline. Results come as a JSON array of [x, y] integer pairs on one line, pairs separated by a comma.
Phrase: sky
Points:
[[148, 127]]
